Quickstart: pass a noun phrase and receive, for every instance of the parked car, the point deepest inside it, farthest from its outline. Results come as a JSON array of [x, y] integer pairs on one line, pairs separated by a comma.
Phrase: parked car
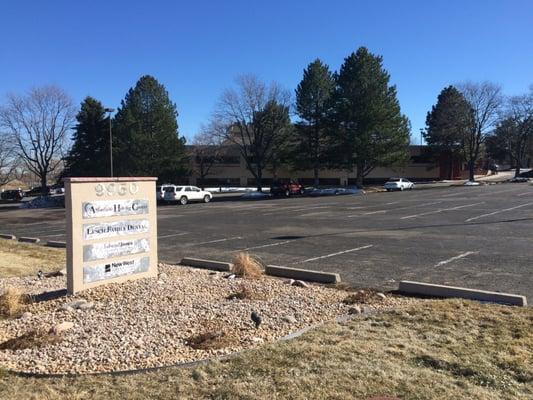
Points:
[[14, 195], [398, 184], [285, 188], [184, 194], [36, 191], [57, 189], [160, 191]]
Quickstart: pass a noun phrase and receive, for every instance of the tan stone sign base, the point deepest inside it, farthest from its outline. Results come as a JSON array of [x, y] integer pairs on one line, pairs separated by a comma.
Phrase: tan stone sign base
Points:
[[111, 230]]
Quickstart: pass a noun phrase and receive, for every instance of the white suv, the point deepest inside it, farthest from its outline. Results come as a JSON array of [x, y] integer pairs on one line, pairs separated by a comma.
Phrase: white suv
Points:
[[160, 191], [398, 184], [184, 194]]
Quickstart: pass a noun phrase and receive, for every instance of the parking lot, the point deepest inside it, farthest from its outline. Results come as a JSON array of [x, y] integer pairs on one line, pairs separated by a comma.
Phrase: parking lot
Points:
[[479, 237]]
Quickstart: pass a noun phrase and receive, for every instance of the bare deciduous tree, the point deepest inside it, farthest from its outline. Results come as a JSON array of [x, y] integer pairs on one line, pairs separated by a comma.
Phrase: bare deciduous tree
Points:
[[236, 117], [38, 123], [485, 99], [514, 133], [206, 151], [8, 160]]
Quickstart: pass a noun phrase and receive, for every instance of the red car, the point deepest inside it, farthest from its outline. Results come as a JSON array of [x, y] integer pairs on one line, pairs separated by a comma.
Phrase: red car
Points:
[[286, 188]]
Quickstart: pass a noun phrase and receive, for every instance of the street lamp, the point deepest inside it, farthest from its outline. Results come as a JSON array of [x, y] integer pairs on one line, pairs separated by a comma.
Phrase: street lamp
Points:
[[110, 110]]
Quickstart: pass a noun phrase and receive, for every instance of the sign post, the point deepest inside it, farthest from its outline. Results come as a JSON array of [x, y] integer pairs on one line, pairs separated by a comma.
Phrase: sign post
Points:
[[111, 230]]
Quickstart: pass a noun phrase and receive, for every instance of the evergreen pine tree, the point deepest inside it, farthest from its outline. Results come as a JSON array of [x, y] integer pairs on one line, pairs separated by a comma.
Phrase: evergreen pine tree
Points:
[[89, 154], [447, 124], [370, 129], [146, 138], [313, 96]]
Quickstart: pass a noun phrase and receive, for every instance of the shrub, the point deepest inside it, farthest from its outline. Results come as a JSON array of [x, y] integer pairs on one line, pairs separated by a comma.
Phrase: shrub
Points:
[[247, 266], [12, 302]]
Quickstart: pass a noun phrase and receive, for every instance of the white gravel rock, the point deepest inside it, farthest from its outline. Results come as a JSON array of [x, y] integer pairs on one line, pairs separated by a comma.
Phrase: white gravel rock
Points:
[[143, 323], [62, 327]]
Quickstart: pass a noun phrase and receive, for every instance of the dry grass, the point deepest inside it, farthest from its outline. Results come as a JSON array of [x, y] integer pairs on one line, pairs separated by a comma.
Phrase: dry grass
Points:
[[246, 266], [212, 337], [12, 302], [23, 259], [435, 350], [365, 296], [245, 292], [31, 339]]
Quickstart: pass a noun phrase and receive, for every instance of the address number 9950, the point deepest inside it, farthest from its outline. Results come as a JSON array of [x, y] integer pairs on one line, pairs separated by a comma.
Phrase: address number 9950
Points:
[[116, 189]]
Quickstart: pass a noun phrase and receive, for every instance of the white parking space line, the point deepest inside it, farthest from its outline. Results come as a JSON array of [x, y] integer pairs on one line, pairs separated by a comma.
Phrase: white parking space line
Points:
[[455, 194], [524, 194], [441, 210], [173, 235], [458, 257], [498, 212], [335, 254], [59, 234], [294, 210], [217, 240], [394, 209], [265, 245], [34, 233]]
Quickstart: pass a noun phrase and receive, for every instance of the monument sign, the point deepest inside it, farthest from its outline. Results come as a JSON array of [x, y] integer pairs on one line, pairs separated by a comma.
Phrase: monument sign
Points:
[[111, 230]]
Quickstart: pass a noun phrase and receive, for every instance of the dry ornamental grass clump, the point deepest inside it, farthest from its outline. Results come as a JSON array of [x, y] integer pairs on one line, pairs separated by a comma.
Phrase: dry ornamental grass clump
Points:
[[12, 302], [246, 266]]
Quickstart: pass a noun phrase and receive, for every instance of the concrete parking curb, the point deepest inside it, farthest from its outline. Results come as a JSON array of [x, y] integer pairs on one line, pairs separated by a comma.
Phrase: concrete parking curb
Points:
[[432, 290], [207, 264], [53, 243], [302, 274], [25, 239], [7, 236]]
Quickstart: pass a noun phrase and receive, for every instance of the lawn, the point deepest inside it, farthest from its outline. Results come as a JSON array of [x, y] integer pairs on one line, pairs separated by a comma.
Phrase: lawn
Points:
[[23, 259], [449, 349]]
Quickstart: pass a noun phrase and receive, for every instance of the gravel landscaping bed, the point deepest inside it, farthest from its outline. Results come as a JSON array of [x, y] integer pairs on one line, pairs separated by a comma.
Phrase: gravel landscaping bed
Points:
[[184, 315]]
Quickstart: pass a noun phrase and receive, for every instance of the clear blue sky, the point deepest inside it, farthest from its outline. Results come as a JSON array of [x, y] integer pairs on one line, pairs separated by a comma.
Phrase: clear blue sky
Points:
[[197, 48]]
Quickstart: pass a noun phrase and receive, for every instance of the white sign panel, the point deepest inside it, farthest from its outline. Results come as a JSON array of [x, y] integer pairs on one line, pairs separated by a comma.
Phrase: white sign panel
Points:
[[113, 229], [113, 269], [100, 251], [111, 208]]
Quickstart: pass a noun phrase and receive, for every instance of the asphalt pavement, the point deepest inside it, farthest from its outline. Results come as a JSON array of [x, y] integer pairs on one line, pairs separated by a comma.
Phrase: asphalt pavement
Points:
[[479, 237]]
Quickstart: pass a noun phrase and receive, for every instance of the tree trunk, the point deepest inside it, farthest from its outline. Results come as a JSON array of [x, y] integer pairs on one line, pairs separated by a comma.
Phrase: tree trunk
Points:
[[517, 169], [315, 170], [43, 184], [471, 171], [258, 179], [450, 171], [359, 176]]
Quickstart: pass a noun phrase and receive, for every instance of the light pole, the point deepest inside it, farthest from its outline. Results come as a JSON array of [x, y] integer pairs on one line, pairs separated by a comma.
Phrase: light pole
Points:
[[110, 110]]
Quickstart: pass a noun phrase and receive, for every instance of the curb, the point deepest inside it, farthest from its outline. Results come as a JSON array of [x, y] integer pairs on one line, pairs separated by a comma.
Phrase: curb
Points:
[[6, 236], [26, 239], [53, 243], [432, 290], [207, 264], [302, 274]]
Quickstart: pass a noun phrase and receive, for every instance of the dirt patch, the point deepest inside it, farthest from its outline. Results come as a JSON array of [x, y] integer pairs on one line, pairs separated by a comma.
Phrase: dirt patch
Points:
[[32, 339]]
